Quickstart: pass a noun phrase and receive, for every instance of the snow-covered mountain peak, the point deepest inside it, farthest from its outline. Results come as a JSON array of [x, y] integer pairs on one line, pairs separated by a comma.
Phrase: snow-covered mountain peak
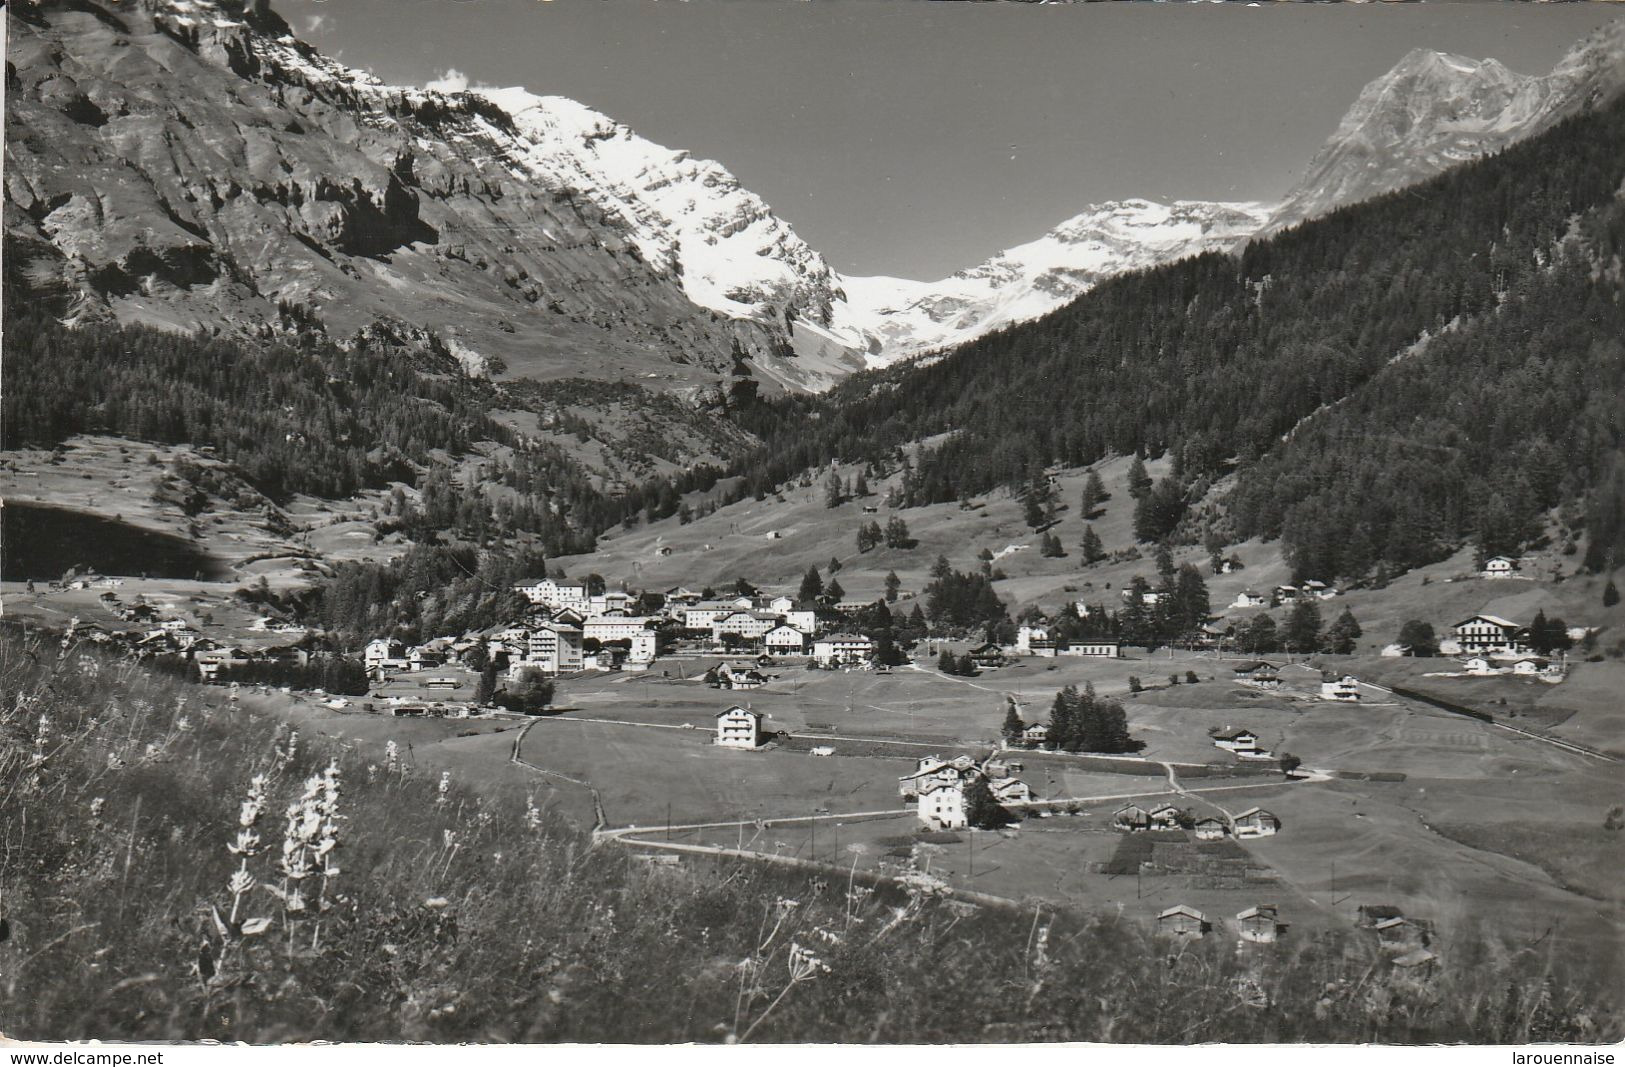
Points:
[[1034, 278], [690, 215]]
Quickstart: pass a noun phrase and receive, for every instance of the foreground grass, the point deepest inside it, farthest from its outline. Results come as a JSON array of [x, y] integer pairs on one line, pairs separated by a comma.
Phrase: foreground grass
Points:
[[364, 899]]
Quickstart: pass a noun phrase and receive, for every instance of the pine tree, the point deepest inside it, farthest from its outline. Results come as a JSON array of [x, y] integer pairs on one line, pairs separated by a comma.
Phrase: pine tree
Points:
[[1032, 507], [834, 492], [1302, 631], [812, 586], [1013, 726], [833, 591], [1258, 636], [1139, 482], [1063, 720], [1094, 494], [834, 565], [1610, 594], [893, 584], [1344, 631], [897, 535], [487, 687], [1419, 636], [1165, 564], [966, 667], [1093, 550], [947, 664]]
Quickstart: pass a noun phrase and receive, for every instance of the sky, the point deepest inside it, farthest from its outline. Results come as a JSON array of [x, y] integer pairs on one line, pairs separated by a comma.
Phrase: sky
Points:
[[915, 138]]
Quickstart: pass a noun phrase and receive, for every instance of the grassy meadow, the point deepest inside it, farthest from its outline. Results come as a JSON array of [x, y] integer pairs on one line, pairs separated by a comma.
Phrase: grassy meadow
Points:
[[176, 868]]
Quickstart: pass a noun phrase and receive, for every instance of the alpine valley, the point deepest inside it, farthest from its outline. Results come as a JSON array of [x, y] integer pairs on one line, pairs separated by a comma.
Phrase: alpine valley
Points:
[[1198, 623]]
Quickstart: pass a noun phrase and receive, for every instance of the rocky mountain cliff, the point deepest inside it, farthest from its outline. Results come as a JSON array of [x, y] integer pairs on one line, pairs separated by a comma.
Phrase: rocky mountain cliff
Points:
[[190, 164], [1433, 110]]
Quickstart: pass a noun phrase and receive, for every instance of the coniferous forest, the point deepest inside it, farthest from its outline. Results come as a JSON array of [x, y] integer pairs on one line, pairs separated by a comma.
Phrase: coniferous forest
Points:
[[1433, 366]]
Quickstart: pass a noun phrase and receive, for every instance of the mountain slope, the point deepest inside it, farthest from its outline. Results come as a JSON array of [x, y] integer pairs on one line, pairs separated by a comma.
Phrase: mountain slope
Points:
[[1433, 111], [1217, 360], [1430, 112], [186, 163]]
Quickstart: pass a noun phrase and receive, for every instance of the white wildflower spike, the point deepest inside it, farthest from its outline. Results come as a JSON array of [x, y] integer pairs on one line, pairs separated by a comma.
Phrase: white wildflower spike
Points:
[[533, 814], [327, 807], [444, 788], [96, 806], [392, 757], [246, 843]]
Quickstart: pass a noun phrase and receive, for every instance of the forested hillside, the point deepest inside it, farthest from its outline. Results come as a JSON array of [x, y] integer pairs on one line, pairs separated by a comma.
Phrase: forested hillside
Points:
[[313, 419], [1479, 312]]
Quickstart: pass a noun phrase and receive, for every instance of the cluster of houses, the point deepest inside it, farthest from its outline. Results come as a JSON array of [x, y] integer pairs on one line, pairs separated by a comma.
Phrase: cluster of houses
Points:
[[156, 633], [1035, 640], [1254, 822], [936, 787], [1404, 940], [1262, 674], [569, 629], [1283, 594]]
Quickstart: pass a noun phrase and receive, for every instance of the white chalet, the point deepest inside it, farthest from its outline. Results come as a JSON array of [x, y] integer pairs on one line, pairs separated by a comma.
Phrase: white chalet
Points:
[[1256, 822], [739, 727], [841, 650], [555, 594], [1478, 665], [1345, 689], [1237, 741], [1499, 567], [1489, 633], [785, 640], [1249, 598]]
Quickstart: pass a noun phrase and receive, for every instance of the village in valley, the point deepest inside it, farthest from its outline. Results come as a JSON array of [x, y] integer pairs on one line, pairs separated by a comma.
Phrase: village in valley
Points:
[[1261, 762]]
